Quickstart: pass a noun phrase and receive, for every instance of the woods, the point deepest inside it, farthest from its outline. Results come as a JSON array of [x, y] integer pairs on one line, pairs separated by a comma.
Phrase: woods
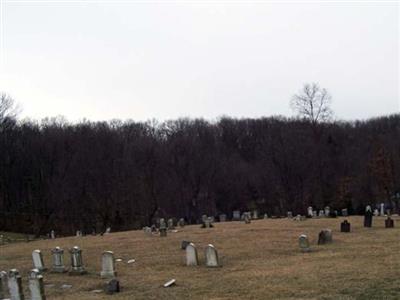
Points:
[[63, 176]]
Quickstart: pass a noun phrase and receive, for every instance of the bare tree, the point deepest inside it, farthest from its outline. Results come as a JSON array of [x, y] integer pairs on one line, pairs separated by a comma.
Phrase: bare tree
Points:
[[313, 103], [8, 109]]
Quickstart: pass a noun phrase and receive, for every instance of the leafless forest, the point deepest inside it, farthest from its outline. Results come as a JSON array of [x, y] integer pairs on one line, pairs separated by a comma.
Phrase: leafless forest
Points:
[[64, 176]]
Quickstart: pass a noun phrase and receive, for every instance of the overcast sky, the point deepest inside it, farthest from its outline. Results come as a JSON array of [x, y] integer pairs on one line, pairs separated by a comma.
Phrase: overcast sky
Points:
[[163, 60]]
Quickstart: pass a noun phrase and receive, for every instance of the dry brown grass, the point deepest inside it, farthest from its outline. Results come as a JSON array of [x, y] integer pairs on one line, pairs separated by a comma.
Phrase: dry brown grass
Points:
[[260, 260]]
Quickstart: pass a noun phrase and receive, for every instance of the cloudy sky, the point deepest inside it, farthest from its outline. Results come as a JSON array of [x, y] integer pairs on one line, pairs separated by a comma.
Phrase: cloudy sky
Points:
[[169, 59]]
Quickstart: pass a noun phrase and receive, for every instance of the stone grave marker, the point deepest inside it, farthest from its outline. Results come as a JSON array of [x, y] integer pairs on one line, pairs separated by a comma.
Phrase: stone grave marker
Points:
[[112, 287], [310, 211], [38, 260], [222, 218], [3, 285], [265, 216], [325, 237], [163, 228], [376, 212], [184, 244], [321, 213], [345, 212], [52, 234], [368, 217], [36, 285], [246, 218], [304, 243], [327, 211], [171, 224], [77, 267], [345, 226], [236, 215], [211, 255], [289, 215], [382, 206], [389, 223], [255, 214], [181, 222], [191, 255], [108, 265], [58, 260], [15, 285]]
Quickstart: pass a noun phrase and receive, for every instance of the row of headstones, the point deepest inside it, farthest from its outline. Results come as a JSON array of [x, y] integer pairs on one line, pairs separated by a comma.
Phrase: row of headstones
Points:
[[78, 233], [192, 259], [36, 285], [12, 281], [77, 267], [325, 236]]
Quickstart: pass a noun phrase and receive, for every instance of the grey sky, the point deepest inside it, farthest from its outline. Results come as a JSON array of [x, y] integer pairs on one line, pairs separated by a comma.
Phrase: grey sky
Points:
[[143, 60]]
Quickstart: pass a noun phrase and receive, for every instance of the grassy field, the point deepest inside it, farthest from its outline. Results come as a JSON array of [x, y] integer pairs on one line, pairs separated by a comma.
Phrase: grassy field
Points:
[[260, 260]]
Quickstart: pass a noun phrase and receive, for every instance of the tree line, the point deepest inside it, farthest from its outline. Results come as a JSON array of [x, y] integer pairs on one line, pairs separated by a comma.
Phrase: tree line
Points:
[[90, 175]]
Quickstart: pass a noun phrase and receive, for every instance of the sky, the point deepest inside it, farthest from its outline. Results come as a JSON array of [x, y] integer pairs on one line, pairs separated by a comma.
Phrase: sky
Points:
[[140, 60]]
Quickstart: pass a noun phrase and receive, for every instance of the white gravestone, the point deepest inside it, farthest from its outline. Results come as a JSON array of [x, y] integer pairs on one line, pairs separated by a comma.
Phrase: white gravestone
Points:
[[15, 285], [108, 265], [211, 256], [36, 285], [76, 262], [304, 243], [327, 211], [382, 209], [58, 260], [3, 284], [310, 211], [38, 260], [52, 235], [191, 255]]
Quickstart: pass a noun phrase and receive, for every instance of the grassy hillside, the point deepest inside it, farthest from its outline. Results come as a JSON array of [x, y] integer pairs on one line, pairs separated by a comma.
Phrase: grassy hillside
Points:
[[260, 260]]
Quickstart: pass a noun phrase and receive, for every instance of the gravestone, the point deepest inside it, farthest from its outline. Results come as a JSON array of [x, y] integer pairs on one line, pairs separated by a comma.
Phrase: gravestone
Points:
[[163, 228], [368, 217], [246, 218], [345, 212], [304, 243], [171, 224], [310, 211], [204, 218], [58, 260], [222, 218], [211, 255], [108, 230], [181, 222], [191, 255], [15, 285], [314, 214], [184, 244], [36, 285], [79, 233], [3, 285], [289, 215], [147, 230], [376, 212], [38, 260], [52, 234], [77, 267], [297, 218], [321, 214], [325, 237], [112, 287], [108, 265], [382, 206], [345, 226], [389, 223], [265, 216], [236, 215], [327, 211], [255, 214]]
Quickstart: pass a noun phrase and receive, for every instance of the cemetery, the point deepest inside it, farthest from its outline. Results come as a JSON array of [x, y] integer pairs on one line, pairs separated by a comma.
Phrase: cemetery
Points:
[[265, 258]]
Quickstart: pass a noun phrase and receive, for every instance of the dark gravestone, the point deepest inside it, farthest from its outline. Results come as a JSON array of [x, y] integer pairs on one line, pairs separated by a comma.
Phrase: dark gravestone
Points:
[[345, 226], [389, 223], [325, 237], [368, 219], [112, 287], [184, 244]]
